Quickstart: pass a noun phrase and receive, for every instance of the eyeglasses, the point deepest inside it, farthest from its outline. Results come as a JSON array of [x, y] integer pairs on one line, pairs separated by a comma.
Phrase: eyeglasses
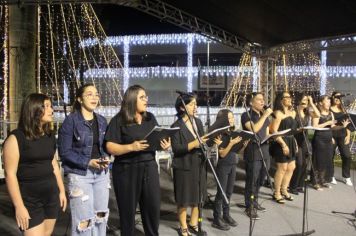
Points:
[[91, 95], [143, 98]]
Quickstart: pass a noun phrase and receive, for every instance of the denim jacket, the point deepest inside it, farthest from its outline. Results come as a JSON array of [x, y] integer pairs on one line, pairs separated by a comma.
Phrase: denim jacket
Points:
[[75, 141]]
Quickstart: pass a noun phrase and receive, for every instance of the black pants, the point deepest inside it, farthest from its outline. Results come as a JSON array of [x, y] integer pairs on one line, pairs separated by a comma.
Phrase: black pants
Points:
[[322, 157], [255, 175], [300, 171], [345, 157], [226, 174], [137, 183]]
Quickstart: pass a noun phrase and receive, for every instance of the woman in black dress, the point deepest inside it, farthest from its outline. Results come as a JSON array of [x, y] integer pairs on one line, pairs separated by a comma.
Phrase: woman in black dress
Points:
[[303, 117], [285, 148], [322, 143], [134, 172], [189, 169], [33, 177], [342, 137]]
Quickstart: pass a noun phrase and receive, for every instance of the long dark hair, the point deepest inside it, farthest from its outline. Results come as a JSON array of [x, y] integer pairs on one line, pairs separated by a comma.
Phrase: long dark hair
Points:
[[332, 99], [32, 111], [321, 99], [187, 98], [129, 105], [277, 106], [222, 120], [80, 91]]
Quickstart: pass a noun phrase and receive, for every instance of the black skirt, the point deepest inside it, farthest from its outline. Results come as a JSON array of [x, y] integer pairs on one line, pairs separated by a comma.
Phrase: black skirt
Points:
[[187, 183], [276, 150]]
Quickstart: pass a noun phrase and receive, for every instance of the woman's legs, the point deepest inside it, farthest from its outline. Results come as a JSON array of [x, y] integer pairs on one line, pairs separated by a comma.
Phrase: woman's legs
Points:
[[287, 177], [278, 178]]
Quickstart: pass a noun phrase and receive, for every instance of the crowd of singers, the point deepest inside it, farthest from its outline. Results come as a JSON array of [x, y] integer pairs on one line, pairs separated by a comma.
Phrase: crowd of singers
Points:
[[86, 141]]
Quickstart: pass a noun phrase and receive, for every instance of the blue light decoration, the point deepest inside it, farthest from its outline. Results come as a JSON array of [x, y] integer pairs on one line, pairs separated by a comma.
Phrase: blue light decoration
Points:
[[323, 71], [152, 39], [255, 75], [191, 72]]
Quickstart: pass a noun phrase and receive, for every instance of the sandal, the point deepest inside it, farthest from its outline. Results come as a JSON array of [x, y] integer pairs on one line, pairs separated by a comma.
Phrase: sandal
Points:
[[184, 232], [287, 196], [279, 199], [193, 228]]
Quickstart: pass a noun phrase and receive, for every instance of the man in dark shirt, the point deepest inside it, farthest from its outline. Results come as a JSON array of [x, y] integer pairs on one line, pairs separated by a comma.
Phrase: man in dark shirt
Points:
[[255, 120]]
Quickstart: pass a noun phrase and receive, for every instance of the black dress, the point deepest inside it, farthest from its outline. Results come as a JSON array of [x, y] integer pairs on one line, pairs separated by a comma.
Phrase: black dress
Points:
[[276, 148], [37, 182], [189, 169], [302, 154], [322, 150]]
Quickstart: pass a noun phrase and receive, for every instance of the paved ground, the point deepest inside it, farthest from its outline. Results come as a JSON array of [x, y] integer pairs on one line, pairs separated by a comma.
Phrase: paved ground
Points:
[[278, 220]]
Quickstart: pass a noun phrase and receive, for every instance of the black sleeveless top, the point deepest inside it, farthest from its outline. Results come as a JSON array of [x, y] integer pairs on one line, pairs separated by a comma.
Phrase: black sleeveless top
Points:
[[301, 122], [36, 156], [325, 134], [339, 116], [277, 151]]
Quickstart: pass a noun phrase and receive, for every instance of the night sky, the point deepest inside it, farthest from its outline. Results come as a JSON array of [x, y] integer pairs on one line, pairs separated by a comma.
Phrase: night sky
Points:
[[119, 20]]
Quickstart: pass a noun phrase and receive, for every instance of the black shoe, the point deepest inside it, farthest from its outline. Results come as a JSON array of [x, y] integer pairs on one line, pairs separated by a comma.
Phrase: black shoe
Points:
[[294, 191], [267, 184], [230, 221], [251, 213], [300, 190], [219, 224], [194, 229], [183, 232], [260, 208]]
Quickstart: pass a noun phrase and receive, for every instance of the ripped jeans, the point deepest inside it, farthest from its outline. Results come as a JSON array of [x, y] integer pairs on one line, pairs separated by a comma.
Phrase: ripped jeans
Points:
[[89, 199]]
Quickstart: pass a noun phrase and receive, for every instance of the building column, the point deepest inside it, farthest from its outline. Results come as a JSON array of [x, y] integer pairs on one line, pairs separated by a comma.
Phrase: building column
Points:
[[22, 56]]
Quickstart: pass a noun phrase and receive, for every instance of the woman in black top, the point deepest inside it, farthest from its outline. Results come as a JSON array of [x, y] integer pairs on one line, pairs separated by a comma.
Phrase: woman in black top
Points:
[[135, 173], [322, 143], [342, 137], [33, 178], [303, 117], [189, 169], [225, 169], [285, 148]]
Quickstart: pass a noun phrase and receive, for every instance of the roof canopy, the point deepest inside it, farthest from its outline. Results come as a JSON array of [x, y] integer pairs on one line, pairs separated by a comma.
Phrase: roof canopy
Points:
[[274, 22]]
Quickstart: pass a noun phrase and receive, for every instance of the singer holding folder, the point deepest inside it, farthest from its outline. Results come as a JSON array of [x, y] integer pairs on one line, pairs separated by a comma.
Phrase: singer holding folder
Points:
[[134, 172], [256, 121], [225, 170], [188, 162], [284, 149]]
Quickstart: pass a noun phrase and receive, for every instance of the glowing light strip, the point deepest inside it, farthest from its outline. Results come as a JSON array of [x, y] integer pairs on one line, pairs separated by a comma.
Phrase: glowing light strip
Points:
[[190, 44], [126, 64], [255, 75], [230, 71], [323, 72]]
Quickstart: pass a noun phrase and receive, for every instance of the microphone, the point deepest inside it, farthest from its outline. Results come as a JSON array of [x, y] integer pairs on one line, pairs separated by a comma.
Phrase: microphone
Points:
[[265, 107], [343, 95]]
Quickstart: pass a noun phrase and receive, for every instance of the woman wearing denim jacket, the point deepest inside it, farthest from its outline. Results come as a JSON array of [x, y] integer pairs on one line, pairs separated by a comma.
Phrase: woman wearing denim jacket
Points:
[[86, 164]]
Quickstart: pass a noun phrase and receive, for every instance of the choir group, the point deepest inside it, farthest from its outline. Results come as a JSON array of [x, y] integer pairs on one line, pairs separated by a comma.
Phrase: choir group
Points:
[[85, 143]]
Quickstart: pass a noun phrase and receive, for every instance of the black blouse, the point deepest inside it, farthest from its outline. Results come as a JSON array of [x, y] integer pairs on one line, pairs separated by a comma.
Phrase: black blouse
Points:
[[120, 133]]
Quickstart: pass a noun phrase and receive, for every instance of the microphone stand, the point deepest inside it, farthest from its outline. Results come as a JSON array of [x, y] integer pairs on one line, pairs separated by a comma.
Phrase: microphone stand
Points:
[[305, 185], [258, 142], [204, 151]]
